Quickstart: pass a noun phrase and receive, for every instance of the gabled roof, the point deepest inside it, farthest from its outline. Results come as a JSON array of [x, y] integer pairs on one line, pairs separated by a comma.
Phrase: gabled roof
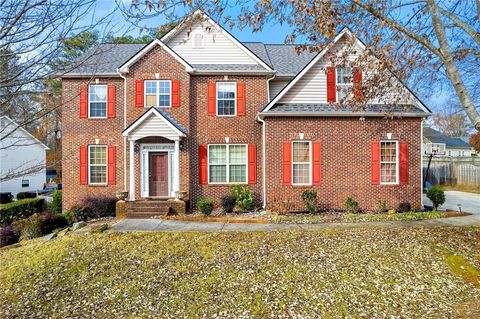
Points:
[[179, 129], [200, 14], [435, 136], [15, 126]]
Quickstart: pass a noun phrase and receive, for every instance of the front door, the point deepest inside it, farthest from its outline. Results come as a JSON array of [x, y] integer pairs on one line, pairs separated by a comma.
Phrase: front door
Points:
[[158, 174]]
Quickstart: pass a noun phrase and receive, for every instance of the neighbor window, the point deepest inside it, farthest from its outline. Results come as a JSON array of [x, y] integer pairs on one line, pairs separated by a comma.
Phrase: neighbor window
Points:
[[158, 93], [226, 98], [227, 164], [301, 163], [97, 164], [344, 82], [389, 162], [25, 183], [97, 101]]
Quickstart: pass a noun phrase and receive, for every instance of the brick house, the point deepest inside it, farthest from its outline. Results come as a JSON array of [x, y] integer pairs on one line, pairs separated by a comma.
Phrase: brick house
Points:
[[198, 111]]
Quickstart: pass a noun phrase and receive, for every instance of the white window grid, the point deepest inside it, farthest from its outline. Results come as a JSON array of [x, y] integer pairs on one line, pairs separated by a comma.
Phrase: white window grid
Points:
[[95, 101], [302, 163], [344, 82], [228, 164], [387, 164], [95, 148], [234, 99], [161, 89]]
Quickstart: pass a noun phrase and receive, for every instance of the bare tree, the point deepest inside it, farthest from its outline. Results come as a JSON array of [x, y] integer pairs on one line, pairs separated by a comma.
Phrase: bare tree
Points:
[[452, 124]]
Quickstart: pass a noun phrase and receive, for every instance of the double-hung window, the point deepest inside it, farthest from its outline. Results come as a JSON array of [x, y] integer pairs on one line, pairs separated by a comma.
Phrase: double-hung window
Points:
[[389, 162], [97, 164], [158, 93], [226, 98], [301, 162], [227, 164], [344, 83], [97, 101]]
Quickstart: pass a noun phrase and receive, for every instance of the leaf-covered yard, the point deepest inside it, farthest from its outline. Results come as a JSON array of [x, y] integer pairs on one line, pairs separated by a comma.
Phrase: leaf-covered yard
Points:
[[335, 273]]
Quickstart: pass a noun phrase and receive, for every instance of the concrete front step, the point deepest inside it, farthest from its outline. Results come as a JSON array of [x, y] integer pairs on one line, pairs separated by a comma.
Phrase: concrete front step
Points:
[[152, 208]]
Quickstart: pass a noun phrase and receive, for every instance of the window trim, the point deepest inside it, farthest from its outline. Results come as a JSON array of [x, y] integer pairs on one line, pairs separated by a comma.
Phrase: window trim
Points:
[[227, 175], [338, 85], [309, 162], [90, 101], [193, 40], [234, 99], [158, 93], [88, 164], [397, 166]]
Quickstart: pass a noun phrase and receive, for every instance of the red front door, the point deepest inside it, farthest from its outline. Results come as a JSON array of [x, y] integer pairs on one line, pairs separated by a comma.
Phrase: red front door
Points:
[[158, 172]]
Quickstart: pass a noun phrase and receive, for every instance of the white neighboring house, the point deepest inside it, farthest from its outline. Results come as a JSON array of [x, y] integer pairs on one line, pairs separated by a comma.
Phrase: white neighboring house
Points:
[[23, 157], [454, 146]]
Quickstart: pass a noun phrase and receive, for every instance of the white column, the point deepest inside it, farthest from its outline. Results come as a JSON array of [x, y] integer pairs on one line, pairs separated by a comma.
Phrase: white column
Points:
[[176, 166], [132, 170]]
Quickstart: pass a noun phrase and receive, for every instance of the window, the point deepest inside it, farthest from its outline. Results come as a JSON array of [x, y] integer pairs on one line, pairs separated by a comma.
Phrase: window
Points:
[[301, 160], [97, 101], [227, 164], [198, 41], [25, 183], [389, 162], [344, 82], [97, 164], [158, 93], [226, 98]]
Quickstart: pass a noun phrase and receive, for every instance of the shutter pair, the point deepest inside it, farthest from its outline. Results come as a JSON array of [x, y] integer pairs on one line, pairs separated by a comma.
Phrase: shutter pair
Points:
[[212, 99], [332, 84], [110, 102], [402, 165], [203, 164], [140, 92], [316, 163], [110, 167]]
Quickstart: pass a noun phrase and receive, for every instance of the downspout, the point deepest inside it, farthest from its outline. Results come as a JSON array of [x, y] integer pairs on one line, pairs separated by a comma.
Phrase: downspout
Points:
[[124, 127]]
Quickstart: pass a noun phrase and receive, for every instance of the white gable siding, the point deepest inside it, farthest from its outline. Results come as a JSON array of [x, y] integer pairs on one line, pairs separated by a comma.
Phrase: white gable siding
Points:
[[154, 126], [276, 86], [218, 49]]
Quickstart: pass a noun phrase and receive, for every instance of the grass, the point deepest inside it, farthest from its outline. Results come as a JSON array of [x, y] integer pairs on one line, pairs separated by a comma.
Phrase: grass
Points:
[[462, 188], [335, 273]]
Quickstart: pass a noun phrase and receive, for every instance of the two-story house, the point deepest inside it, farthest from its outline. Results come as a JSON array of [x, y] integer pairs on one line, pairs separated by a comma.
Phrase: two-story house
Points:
[[199, 111]]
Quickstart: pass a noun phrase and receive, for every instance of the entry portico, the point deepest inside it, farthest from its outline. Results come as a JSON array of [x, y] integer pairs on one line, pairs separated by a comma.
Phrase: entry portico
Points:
[[159, 161]]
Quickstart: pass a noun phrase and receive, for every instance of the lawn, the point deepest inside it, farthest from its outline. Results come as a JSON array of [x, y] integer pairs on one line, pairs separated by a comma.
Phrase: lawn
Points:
[[361, 272]]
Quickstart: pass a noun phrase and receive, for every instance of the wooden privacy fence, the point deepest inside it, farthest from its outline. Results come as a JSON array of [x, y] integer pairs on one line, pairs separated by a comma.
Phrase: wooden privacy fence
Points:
[[453, 170]]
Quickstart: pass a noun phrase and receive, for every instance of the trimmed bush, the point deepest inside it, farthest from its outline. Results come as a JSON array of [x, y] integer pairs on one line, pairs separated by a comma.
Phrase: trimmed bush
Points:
[[20, 209], [56, 204], [437, 196], [94, 206], [23, 195], [228, 203], [29, 227], [309, 198], [50, 221], [205, 206], [243, 197], [404, 207], [9, 235], [351, 206]]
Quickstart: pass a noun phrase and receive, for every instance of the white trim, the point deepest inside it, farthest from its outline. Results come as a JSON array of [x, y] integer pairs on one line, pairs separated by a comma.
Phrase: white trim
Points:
[[106, 164], [106, 101], [227, 165], [181, 25], [167, 148], [16, 126], [234, 99], [397, 173], [310, 168], [145, 116], [337, 85], [125, 67], [158, 93]]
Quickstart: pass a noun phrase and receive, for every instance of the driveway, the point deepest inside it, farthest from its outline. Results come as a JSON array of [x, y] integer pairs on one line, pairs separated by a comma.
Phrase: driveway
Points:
[[470, 201]]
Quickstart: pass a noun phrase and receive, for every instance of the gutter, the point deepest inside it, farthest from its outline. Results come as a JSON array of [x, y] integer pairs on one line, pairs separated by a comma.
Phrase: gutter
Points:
[[340, 114], [124, 127]]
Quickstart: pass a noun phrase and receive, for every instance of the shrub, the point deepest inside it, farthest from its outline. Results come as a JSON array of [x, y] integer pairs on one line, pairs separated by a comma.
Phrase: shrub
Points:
[[437, 196], [50, 221], [56, 204], [29, 227], [9, 235], [309, 198], [23, 195], [20, 209], [404, 207], [381, 207], [351, 206], [228, 203], [205, 206], [95, 206], [68, 215], [243, 197]]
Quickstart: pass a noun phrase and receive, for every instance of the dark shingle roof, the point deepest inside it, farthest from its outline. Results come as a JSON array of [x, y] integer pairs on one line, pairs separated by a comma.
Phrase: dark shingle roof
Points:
[[333, 109], [230, 67], [169, 117], [435, 136]]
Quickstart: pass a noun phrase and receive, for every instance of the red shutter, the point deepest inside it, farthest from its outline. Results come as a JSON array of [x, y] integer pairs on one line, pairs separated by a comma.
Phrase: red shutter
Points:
[[83, 165], [357, 85], [203, 164], [317, 165], [111, 101], [375, 162], [83, 102], [287, 163], [212, 99], [252, 164], [111, 164], [331, 84], [240, 99], [403, 165], [175, 93], [139, 93]]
